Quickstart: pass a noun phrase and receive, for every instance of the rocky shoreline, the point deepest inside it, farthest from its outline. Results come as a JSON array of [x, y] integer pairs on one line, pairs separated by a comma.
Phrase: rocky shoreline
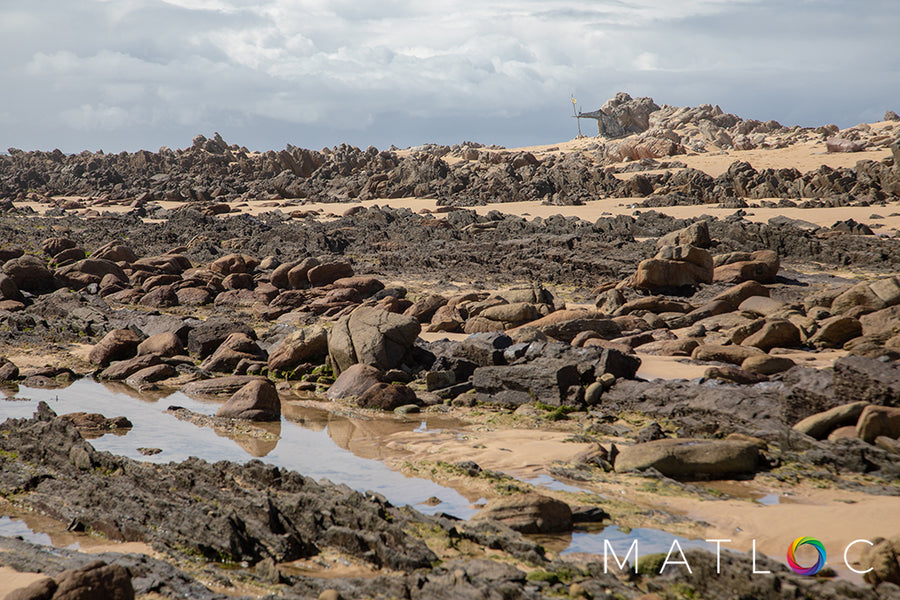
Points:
[[541, 324]]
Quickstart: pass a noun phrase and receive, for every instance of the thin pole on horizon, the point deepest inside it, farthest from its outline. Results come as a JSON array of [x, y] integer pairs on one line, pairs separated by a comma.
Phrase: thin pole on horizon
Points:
[[575, 113]]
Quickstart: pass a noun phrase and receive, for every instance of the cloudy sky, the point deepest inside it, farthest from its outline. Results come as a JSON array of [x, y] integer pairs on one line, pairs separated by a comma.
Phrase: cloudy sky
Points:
[[130, 74]]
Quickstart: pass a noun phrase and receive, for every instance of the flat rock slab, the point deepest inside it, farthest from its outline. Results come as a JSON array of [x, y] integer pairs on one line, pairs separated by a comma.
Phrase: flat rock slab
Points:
[[690, 457]]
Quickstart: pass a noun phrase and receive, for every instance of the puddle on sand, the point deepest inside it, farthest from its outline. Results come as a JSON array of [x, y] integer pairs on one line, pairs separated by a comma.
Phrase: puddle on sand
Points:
[[312, 442], [10, 527], [594, 540]]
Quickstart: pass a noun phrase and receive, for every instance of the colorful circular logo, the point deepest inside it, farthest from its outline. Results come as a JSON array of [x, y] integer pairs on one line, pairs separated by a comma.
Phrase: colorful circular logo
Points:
[[806, 541]]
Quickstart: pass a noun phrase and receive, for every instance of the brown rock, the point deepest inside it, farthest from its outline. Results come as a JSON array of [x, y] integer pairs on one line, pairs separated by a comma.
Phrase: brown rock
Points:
[[94, 581], [674, 266], [883, 558], [115, 252], [145, 378], [305, 345], [353, 382], [564, 325], [763, 364], [297, 276], [193, 296], [762, 267], [160, 297], [761, 305], [256, 401], [515, 313], [329, 273], [775, 333], [118, 344], [425, 308], [42, 589], [372, 336], [735, 355], [30, 274], [529, 513], [89, 270], [233, 263], [882, 322], [836, 331], [366, 286], [161, 344], [695, 234], [670, 347], [871, 296], [238, 281], [387, 396], [8, 370], [218, 385], [734, 375], [123, 368], [875, 421], [737, 294], [690, 457]]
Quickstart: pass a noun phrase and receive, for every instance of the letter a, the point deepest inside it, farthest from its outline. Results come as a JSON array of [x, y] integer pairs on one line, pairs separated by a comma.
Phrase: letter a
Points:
[[683, 560]]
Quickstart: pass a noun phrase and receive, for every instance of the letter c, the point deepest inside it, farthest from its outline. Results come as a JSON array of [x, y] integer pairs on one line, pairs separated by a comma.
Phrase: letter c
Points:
[[847, 562]]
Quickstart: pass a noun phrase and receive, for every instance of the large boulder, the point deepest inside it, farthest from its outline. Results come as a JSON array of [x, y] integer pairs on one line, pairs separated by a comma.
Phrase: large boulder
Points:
[[329, 273], [8, 289], [564, 325], [881, 561], [118, 344], [869, 295], [166, 343], [821, 424], [94, 581], [218, 386], [529, 513], [233, 263], [551, 381], [674, 267], [836, 331], [690, 457], [237, 347], [257, 401], [304, 345], [89, 270], [372, 336], [775, 333], [695, 234], [387, 396], [8, 370], [869, 379], [760, 266], [875, 421], [353, 382], [30, 274], [204, 338]]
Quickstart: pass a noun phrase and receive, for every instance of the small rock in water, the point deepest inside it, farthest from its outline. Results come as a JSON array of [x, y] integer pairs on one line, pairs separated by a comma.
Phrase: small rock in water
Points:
[[149, 451]]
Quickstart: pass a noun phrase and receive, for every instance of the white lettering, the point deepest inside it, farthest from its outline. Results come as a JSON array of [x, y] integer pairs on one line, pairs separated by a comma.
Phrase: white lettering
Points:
[[683, 560], [847, 550], [718, 544], [754, 561], [608, 549]]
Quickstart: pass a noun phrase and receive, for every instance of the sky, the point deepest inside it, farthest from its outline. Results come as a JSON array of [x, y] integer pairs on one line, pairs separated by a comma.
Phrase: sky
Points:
[[140, 74]]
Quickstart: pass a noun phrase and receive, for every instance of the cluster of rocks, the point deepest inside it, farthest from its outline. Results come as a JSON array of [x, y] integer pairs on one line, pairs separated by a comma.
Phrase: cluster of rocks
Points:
[[211, 173], [259, 516], [651, 131]]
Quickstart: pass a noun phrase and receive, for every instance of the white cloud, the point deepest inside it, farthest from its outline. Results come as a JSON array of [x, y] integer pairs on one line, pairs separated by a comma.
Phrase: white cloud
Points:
[[135, 71]]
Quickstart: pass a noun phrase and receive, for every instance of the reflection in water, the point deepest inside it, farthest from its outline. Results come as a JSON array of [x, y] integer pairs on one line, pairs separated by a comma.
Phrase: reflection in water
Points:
[[313, 442], [593, 541]]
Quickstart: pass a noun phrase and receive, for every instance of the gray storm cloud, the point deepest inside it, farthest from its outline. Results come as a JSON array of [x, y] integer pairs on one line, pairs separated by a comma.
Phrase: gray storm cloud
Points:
[[148, 73]]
